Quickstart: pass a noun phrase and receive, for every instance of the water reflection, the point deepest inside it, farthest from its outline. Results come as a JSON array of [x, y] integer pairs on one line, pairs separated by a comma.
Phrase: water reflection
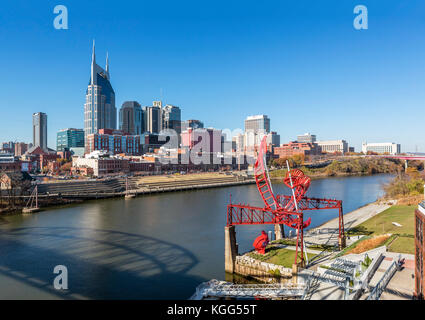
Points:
[[104, 262], [152, 247]]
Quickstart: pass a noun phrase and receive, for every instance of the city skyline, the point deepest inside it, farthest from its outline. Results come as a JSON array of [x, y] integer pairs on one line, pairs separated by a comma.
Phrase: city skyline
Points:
[[354, 81]]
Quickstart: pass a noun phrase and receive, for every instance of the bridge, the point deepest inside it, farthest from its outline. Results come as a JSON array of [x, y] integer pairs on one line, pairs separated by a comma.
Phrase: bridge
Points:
[[400, 157]]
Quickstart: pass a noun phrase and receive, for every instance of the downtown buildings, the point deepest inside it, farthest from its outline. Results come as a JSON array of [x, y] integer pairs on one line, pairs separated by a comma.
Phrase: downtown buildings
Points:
[[99, 109]]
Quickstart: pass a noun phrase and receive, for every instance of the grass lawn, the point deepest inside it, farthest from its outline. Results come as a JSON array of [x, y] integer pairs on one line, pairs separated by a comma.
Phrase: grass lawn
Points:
[[382, 223], [279, 256], [403, 244]]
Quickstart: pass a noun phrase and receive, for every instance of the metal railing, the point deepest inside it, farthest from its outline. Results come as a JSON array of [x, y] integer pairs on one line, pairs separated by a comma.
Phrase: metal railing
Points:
[[221, 289], [382, 284]]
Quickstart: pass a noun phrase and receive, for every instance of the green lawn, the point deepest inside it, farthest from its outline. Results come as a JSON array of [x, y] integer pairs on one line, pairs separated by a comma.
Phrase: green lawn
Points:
[[382, 223], [403, 244], [279, 256]]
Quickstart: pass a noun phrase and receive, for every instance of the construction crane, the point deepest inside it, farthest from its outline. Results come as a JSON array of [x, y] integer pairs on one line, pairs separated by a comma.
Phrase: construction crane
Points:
[[283, 209]]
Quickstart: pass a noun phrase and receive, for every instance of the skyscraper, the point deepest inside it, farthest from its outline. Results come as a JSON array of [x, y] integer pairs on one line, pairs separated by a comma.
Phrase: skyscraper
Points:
[[257, 124], [132, 118], [171, 118], [99, 110], [153, 119], [39, 130], [192, 123], [255, 128]]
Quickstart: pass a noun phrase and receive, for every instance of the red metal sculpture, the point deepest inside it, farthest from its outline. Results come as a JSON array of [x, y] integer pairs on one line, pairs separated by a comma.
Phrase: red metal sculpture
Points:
[[261, 242], [282, 209]]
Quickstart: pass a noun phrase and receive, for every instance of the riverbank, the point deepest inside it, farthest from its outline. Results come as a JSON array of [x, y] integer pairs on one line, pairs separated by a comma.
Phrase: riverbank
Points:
[[60, 193], [319, 175], [163, 244], [358, 166]]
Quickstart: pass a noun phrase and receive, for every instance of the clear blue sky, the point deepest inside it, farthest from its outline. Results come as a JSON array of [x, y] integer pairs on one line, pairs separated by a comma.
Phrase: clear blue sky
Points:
[[300, 62]]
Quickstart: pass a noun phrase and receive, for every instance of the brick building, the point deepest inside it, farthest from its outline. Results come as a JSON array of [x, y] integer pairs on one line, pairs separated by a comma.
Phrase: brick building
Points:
[[40, 157], [114, 141], [292, 148], [419, 250]]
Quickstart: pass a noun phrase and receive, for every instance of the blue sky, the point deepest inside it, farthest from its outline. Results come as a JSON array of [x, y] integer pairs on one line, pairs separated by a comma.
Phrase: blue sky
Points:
[[300, 62]]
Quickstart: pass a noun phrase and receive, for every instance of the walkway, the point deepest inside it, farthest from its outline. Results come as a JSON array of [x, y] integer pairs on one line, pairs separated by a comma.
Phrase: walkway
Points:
[[327, 233], [223, 289]]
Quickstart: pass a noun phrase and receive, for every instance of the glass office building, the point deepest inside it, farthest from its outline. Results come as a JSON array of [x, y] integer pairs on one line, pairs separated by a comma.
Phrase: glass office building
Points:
[[69, 138], [99, 110], [132, 118]]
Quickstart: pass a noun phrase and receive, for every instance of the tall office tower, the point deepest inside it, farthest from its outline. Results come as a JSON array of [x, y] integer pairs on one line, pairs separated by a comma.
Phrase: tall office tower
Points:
[[306, 138], [257, 124], [256, 127], [39, 130], [99, 110], [153, 119], [132, 118], [69, 138], [171, 118], [157, 104], [194, 124]]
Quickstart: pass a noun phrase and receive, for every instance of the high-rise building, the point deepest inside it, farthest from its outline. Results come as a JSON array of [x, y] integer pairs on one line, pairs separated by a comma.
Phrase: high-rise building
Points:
[[273, 139], [257, 124], [306, 138], [69, 138], [171, 118], [383, 147], [210, 139], [256, 127], [39, 130], [192, 123], [153, 119], [157, 104], [132, 118], [99, 110]]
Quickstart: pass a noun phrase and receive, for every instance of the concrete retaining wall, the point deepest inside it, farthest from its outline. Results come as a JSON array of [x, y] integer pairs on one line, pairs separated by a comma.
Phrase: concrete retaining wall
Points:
[[261, 271]]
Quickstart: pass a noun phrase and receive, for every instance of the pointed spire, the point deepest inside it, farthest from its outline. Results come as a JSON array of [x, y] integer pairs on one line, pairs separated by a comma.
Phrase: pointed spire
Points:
[[93, 59], [93, 66], [107, 61]]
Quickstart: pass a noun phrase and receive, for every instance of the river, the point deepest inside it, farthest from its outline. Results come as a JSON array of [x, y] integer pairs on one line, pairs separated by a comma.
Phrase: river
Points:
[[152, 247]]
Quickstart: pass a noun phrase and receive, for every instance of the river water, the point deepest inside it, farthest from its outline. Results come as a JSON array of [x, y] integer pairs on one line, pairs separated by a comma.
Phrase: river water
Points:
[[151, 247]]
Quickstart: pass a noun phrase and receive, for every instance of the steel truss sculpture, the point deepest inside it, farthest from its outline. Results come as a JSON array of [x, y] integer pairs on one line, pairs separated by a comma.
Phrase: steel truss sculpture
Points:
[[283, 209]]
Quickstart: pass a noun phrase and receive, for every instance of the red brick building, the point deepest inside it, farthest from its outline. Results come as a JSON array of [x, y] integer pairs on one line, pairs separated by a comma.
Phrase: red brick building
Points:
[[114, 141], [292, 148], [40, 157], [419, 250]]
